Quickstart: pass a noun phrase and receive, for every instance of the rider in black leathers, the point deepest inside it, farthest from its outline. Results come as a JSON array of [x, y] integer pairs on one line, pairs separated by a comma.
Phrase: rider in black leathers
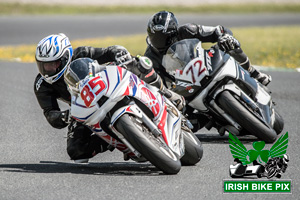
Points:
[[53, 54], [163, 31]]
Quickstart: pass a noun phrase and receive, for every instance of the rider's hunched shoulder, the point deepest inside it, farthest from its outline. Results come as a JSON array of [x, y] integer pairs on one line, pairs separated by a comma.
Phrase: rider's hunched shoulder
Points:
[[187, 30]]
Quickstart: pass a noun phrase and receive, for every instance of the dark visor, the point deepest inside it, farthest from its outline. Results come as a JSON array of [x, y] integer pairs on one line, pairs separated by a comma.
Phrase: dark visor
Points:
[[53, 67], [48, 68]]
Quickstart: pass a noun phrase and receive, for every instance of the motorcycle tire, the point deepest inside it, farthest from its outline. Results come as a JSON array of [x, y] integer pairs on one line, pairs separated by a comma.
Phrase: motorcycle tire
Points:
[[193, 149], [271, 173], [245, 118], [154, 149], [279, 123]]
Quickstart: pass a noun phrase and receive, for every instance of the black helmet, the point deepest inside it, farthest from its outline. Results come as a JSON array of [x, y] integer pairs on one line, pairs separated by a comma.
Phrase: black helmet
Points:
[[162, 30], [78, 70]]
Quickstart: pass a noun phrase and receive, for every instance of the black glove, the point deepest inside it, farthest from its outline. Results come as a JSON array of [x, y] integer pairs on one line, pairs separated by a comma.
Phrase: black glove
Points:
[[122, 56], [228, 42]]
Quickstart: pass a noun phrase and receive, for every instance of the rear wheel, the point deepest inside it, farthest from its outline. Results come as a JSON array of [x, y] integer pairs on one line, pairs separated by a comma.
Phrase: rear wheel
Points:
[[245, 118], [193, 149], [154, 149]]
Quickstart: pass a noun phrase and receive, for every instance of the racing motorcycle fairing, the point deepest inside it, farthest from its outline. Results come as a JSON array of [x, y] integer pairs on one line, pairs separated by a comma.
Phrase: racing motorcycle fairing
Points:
[[228, 70], [215, 59], [169, 122], [246, 82], [92, 90], [110, 90], [195, 69], [255, 95]]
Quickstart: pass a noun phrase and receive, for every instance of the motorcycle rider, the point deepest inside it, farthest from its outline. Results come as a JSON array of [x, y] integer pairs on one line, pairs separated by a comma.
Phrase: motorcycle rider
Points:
[[277, 165], [163, 30], [53, 54]]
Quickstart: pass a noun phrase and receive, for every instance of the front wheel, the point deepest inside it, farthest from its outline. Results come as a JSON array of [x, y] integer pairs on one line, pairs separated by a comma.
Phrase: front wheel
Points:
[[271, 172], [245, 118], [193, 149], [154, 149], [279, 123]]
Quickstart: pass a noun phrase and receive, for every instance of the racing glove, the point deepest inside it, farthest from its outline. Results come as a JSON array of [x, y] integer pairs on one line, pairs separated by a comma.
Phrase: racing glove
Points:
[[228, 42], [122, 56], [57, 118]]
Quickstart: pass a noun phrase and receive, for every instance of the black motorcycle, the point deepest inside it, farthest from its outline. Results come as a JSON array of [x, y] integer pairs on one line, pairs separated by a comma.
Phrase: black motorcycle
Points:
[[216, 86]]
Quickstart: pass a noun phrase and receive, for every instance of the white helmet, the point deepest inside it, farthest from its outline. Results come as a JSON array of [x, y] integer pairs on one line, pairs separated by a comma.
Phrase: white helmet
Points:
[[53, 55]]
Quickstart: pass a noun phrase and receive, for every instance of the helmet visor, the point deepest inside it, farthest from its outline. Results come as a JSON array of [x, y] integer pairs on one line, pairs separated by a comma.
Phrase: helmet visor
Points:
[[162, 41], [49, 68]]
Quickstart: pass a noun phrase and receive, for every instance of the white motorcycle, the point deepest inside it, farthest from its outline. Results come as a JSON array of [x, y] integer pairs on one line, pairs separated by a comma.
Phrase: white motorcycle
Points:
[[215, 85], [131, 115]]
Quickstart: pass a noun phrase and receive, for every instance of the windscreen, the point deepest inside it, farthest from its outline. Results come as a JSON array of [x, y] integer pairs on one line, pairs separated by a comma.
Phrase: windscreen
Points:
[[180, 54]]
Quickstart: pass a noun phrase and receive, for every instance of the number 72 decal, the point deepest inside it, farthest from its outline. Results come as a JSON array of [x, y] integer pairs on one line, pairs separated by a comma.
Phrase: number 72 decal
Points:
[[196, 69]]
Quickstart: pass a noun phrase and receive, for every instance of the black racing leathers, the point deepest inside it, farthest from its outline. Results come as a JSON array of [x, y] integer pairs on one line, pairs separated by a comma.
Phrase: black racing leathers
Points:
[[80, 143], [47, 95], [190, 30]]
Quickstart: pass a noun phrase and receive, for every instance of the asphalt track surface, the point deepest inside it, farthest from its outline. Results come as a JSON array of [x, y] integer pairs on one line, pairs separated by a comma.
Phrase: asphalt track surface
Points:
[[34, 163]]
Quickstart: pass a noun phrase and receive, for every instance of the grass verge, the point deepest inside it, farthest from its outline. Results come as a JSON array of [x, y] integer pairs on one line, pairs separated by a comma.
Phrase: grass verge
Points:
[[20, 9], [266, 46]]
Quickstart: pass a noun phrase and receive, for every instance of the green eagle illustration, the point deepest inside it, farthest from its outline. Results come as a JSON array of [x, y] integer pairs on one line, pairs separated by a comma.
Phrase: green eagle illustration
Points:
[[238, 150]]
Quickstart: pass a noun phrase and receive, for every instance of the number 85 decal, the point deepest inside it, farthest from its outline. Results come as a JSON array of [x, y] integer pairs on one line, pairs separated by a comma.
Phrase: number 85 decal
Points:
[[90, 91], [196, 70]]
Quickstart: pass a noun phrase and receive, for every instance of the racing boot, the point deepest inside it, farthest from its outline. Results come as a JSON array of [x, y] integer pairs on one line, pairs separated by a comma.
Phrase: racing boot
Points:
[[263, 78], [244, 61]]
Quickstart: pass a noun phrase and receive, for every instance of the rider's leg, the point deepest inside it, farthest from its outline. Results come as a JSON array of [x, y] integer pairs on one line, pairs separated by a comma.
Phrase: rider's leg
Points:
[[244, 61], [82, 145]]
